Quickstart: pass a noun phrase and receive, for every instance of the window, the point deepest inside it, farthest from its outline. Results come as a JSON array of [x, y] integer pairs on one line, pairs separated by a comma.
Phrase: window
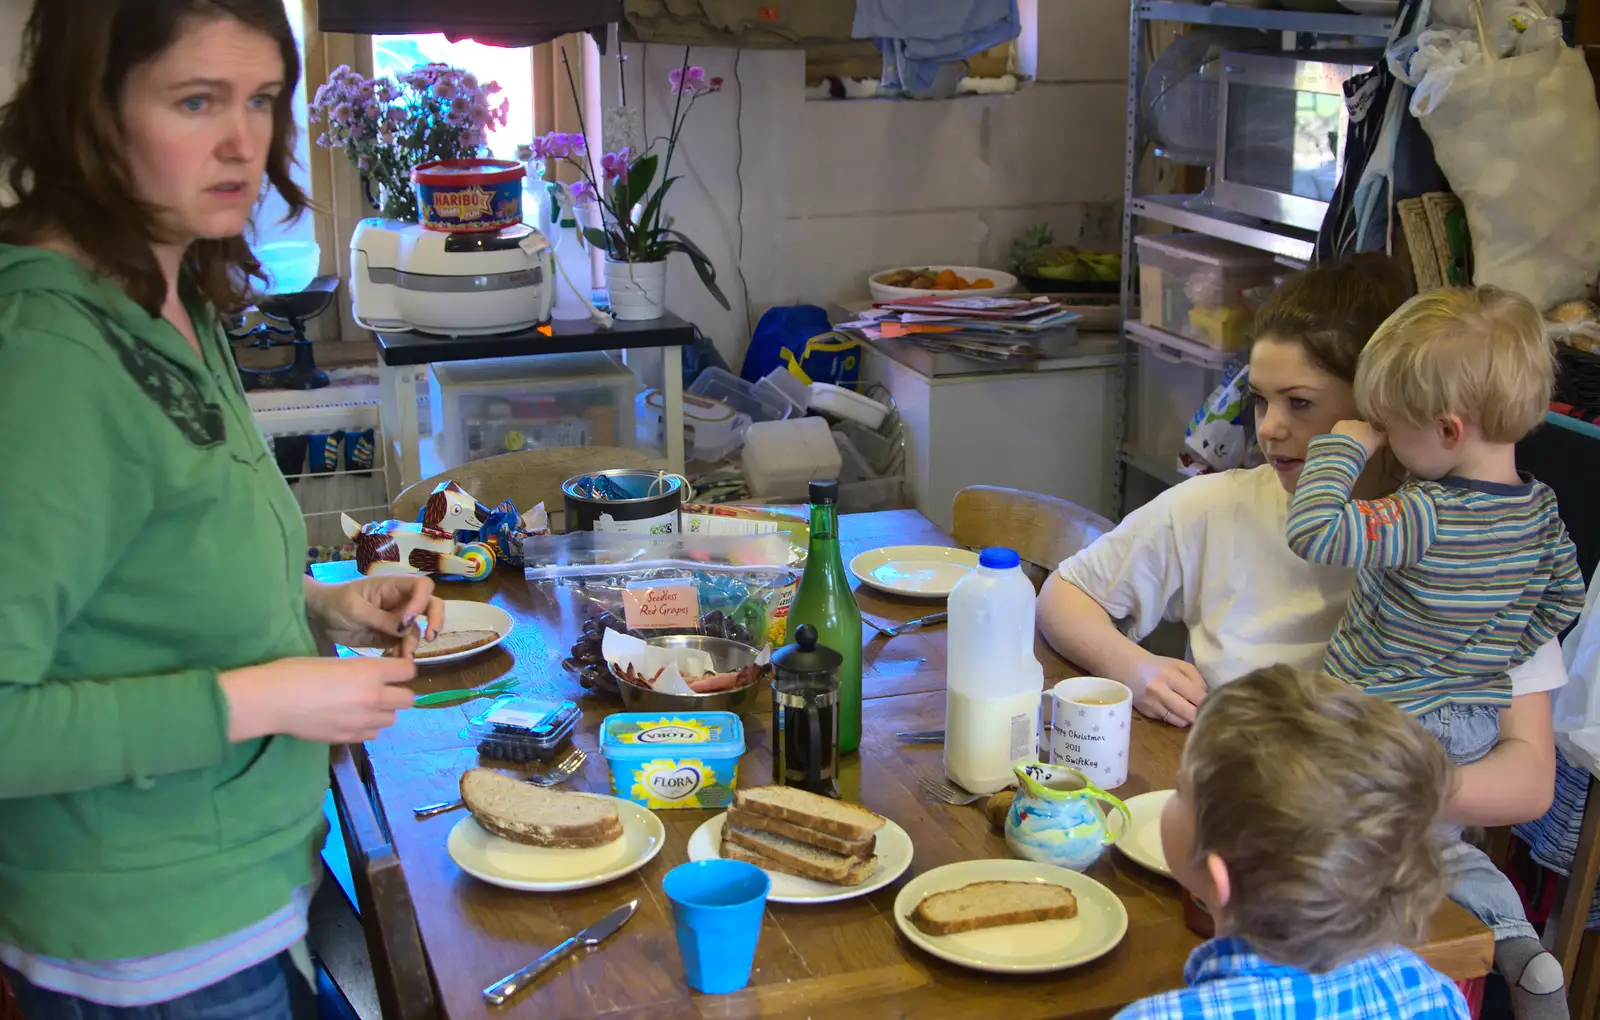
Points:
[[268, 225], [511, 69]]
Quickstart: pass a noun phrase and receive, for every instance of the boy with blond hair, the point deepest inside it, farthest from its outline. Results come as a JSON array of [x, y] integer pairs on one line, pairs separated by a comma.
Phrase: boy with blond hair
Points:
[[1303, 821], [1462, 573]]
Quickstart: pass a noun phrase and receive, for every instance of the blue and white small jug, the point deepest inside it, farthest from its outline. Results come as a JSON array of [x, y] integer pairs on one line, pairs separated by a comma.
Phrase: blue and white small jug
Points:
[[1056, 817]]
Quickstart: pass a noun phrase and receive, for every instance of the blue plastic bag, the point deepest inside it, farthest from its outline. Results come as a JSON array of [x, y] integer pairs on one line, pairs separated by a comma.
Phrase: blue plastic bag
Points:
[[800, 338]]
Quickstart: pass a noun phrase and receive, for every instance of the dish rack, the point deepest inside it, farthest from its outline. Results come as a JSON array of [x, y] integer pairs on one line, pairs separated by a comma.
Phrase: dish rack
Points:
[[344, 415]]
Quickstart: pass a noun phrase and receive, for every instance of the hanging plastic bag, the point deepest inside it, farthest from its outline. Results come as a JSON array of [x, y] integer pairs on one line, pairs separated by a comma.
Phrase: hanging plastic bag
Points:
[[1518, 138], [1577, 705]]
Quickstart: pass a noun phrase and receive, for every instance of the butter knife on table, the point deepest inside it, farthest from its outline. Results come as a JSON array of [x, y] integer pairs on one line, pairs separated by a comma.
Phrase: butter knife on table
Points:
[[502, 991], [920, 737]]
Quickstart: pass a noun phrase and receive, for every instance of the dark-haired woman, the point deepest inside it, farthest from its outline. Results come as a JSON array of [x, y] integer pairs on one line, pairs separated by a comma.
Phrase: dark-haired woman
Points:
[[1212, 553], [164, 717]]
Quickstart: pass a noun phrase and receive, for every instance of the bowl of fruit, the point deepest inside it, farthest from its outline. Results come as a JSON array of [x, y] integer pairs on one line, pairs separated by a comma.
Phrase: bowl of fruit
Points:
[[939, 281], [1049, 268]]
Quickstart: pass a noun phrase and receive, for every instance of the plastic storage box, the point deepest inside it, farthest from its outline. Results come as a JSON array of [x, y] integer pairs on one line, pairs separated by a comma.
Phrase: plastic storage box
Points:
[[760, 403], [502, 405], [673, 759], [782, 457], [712, 430], [1175, 377], [1202, 287], [516, 728]]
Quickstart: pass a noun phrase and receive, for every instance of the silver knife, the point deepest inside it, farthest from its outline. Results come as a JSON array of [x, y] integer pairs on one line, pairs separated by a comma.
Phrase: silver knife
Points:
[[502, 991], [920, 737]]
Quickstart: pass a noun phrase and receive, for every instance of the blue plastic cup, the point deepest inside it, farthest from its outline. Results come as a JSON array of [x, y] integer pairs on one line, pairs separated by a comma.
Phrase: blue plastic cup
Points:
[[717, 908]]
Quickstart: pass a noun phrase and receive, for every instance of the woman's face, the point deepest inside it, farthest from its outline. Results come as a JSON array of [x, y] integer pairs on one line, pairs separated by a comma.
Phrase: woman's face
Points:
[[1294, 401], [198, 122]]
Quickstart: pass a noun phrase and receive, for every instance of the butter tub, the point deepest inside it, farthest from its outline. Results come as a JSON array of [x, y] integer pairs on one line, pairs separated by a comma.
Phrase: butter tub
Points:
[[673, 759]]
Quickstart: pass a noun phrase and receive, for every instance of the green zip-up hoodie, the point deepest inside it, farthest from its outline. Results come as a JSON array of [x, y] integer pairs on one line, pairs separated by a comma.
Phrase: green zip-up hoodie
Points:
[[151, 543]]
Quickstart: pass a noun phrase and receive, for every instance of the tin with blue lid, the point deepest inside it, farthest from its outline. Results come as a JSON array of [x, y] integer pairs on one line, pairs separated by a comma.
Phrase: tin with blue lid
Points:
[[665, 760]]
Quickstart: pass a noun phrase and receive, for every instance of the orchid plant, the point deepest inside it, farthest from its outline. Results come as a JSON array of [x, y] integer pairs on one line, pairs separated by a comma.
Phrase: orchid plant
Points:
[[630, 188], [389, 125]]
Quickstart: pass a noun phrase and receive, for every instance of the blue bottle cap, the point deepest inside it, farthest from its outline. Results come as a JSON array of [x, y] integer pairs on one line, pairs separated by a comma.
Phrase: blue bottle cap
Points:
[[999, 558]]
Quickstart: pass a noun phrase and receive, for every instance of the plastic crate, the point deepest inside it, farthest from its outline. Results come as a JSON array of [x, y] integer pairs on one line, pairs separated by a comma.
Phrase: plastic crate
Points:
[[502, 405], [1202, 287], [1174, 378]]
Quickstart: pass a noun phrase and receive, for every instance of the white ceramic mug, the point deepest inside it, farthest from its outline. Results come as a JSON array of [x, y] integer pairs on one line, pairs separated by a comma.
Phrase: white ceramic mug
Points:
[[1090, 720]]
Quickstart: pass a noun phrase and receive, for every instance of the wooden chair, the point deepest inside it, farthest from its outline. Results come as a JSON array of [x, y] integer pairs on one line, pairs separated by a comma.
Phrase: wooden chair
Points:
[[1044, 530], [527, 478], [388, 919]]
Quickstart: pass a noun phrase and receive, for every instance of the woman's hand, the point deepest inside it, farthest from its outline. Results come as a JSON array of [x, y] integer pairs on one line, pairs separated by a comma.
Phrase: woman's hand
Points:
[[328, 701], [1167, 690], [375, 612]]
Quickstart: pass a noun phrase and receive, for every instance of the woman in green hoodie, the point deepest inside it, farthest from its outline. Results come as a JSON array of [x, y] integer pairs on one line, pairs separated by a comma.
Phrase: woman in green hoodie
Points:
[[164, 714]]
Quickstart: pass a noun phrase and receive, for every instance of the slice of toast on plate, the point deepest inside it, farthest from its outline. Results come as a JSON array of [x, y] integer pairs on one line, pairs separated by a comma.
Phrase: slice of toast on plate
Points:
[[524, 813]]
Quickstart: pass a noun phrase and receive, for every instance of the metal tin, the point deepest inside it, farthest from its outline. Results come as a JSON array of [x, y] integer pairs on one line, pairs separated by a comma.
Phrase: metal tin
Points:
[[654, 512], [468, 195]]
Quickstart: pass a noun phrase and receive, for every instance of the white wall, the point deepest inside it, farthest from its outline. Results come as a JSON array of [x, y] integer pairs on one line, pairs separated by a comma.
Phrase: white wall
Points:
[[833, 190]]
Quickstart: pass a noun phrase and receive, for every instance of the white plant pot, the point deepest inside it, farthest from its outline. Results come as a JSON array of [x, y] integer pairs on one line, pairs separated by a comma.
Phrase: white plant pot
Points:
[[638, 289]]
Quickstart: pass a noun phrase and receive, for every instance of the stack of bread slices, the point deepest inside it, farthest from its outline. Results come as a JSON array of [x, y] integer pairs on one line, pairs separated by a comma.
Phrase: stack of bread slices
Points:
[[783, 829]]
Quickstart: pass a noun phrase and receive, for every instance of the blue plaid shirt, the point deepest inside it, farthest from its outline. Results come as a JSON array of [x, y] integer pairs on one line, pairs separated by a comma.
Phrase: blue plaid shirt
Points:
[[1228, 981]]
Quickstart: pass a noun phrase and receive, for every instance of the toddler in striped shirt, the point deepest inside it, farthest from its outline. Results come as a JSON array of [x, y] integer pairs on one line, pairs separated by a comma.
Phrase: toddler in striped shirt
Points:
[[1465, 570]]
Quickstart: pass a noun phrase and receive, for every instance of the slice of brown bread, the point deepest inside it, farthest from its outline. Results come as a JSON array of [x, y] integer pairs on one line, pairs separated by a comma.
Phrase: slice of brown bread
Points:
[[856, 873], [811, 810], [992, 905], [849, 847], [452, 641], [530, 814]]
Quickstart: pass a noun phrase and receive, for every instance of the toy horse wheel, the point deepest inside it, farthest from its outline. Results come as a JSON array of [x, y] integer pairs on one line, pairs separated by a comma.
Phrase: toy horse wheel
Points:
[[481, 557]]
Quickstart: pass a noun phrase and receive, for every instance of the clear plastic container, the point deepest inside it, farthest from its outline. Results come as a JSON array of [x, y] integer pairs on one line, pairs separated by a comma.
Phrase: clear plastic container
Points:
[[502, 405], [673, 759], [1174, 378], [782, 457], [760, 404], [1201, 287], [712, 430], [519, 728]]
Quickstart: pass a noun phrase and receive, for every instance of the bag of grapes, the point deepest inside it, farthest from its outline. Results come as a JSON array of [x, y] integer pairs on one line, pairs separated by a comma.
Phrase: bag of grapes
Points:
[[737, 587]]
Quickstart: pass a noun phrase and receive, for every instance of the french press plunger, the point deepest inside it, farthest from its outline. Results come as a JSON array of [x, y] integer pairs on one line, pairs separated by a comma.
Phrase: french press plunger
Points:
[[805, 715]]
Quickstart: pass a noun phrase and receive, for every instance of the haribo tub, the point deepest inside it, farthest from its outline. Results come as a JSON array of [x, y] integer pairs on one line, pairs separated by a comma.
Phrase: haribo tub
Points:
[[468, 195], [673, 759]]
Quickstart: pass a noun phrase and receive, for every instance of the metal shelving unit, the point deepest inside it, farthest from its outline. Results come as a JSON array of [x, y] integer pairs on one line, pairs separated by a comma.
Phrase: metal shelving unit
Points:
[[1292, 247]]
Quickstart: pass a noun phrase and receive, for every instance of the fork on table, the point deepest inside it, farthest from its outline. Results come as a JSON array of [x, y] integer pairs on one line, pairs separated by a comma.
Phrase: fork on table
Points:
[[943, 789], [555, 776]]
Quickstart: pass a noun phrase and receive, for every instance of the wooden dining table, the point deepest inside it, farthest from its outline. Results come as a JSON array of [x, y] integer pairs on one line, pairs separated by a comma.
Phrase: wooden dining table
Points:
[[843, 959]]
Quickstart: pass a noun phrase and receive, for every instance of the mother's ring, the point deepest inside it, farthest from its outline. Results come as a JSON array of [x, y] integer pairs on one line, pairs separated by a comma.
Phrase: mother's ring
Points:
[[1167, 716]]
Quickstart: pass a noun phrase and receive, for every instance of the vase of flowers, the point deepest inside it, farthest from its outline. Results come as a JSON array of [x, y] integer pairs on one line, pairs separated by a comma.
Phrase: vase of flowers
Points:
[[389, 125], [629, 190]]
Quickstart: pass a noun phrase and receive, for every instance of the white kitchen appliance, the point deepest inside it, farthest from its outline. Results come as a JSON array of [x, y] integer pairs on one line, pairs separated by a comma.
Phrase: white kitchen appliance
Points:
[[404, 277]]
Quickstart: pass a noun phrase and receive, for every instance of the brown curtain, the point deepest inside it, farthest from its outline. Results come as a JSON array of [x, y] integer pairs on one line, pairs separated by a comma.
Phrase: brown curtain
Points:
[[497, 22]]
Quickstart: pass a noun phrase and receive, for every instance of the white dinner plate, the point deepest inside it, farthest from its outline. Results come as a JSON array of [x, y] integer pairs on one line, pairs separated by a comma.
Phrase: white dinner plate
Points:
[[918, 571], [510, 865], [894, 857], [1142, 842], [462, 615], [1035, 948]]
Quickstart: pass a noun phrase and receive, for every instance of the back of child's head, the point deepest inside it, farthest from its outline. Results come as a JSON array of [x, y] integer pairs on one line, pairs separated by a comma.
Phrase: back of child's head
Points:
[[1480, 353], [1320, 799]]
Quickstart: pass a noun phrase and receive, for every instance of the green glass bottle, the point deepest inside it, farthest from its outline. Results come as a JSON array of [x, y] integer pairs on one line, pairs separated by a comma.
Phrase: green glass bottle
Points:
[[826, 602]]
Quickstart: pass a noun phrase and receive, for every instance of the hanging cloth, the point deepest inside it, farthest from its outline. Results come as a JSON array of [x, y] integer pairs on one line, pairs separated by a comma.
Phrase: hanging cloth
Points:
[[1387, 156]]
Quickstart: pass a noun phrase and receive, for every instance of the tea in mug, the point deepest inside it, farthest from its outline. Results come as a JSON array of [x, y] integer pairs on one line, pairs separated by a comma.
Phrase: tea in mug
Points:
[[1095, 701]]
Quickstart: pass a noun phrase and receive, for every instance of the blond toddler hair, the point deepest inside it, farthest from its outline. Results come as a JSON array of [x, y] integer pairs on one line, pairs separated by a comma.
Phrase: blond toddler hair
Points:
[[1477, 352], [1321, 800]]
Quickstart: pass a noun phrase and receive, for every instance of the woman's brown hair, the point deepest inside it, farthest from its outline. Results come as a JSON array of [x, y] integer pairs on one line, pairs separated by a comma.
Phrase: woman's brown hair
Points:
[[61, 142], [1332, 310]]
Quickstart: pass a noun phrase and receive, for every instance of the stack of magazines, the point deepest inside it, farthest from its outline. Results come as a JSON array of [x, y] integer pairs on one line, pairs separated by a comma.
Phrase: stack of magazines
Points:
[[987, 328]]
